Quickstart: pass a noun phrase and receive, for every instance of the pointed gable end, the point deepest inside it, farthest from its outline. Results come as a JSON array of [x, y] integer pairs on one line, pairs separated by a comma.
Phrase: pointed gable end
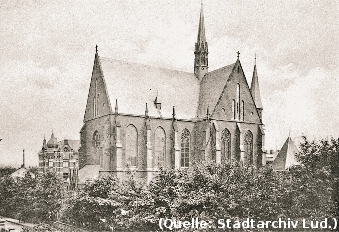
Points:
[[98, 103], [227, 94]]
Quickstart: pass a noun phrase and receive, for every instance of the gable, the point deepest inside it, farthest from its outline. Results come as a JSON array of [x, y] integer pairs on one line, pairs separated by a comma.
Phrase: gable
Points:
[[134, 85], [245, 109], [97, 99], [211, 88]]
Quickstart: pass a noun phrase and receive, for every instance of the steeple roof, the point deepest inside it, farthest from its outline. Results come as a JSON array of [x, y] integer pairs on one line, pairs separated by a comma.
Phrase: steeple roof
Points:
[[255, 91], [201, 31], [286, 156], [52, 142]]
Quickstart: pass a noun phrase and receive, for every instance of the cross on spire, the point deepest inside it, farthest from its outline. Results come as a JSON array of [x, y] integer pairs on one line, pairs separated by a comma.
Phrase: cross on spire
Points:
[[238, 54]]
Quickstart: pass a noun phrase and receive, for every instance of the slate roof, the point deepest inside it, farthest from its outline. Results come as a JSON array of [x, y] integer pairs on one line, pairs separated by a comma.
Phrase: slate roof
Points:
[[255, 91], [134, 85], [212, 85], [286, 156]]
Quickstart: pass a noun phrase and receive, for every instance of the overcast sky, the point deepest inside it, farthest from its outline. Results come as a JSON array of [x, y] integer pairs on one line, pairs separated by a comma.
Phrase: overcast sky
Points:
[[47, 52]]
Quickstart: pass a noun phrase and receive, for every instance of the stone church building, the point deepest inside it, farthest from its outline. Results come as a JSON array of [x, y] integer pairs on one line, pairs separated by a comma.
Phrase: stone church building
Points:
[[144, 118]]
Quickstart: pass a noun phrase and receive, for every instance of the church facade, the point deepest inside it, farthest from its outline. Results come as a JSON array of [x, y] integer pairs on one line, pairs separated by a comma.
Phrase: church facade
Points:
[[143, 118]]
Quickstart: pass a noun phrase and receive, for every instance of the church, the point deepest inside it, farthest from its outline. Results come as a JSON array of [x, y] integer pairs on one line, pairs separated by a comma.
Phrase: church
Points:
[[142, 118]]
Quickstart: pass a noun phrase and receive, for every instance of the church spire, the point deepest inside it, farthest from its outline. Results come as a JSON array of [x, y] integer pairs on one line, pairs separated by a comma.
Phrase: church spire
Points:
[[201, 49], [255, 91]]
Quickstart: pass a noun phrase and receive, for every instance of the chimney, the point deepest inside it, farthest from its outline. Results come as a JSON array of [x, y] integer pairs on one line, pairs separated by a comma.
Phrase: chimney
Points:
[[23, 158]]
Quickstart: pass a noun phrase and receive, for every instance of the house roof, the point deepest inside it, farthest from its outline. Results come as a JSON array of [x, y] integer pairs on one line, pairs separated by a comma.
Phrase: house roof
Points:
[[88, 173], [134, 85], [212, 85], [286, 156], [21, 172]]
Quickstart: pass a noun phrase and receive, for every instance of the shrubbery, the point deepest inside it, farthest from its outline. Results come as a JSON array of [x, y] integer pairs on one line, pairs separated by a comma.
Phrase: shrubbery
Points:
[[207, 191]]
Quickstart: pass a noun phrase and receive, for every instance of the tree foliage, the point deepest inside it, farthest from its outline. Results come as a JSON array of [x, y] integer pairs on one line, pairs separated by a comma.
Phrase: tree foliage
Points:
[[32, 199], [207, 191]]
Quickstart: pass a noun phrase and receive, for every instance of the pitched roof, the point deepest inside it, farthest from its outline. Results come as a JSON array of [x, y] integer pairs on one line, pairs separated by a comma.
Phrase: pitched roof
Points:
[[255, 91], [88, 173], [286, 156], [134, 85], [212, 85]]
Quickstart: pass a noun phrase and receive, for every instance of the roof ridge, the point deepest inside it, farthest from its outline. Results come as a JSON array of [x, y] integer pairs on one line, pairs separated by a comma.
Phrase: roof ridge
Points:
[[145, 65], [215, 70]]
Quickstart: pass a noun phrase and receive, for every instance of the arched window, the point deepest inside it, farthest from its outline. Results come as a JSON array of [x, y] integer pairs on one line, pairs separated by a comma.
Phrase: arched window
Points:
[[249, 147], [225, 146], [233, 109], [160, 148], [131, 145], [185, 148], [213, 143], [96, 139], [243, 110]]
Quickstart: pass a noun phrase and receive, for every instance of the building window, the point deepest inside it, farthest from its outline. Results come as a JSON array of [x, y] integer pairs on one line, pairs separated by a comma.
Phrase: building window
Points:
[[65, 175], [50, 163], [185, 148], [249, 147], [160, 147], [243, 110], [131, 145], [96, 139], [238, 101], [65, 164], [225, 146], [213, 143], [233, 109]]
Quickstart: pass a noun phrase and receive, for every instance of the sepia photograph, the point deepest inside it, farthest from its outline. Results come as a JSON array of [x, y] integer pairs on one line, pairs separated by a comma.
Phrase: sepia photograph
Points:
[[168, 115]]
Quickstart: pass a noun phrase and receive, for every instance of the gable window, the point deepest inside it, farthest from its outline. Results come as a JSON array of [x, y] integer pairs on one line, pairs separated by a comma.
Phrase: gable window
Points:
[[248, 147], [243, 110], [185, 148], [233, 109], [131, 145], [96, 139], [238, 101], [160, 147]]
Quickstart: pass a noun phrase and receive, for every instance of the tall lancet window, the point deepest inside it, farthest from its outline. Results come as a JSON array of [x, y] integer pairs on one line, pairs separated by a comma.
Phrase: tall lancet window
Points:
[[213, 143], [131, 146], [96, 139], [238, 101], [185, 148], [243, 110], [234, 111], [248, 147], [225, 146], [160, 148]]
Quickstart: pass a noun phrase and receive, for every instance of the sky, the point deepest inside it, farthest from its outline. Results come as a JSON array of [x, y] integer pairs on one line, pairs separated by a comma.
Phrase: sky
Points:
[[47, 53]]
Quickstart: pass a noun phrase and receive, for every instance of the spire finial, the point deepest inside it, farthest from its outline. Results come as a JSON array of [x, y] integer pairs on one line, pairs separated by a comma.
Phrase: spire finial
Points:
[[289, 133], [238, 54], [96, 48], [116, 106], [146, 110], [208, 112], [255, 58], [173, 112]]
